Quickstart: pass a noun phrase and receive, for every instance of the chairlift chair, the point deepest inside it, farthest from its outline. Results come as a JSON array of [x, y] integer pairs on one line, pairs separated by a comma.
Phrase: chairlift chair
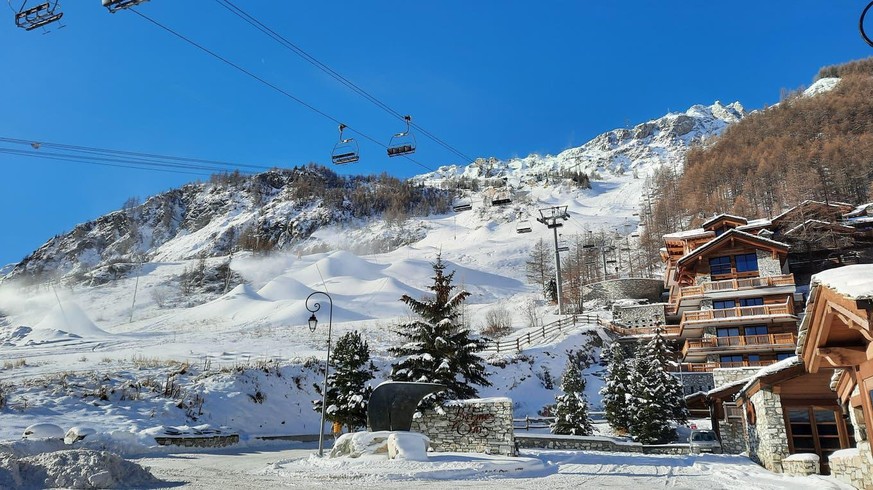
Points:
[[501, 198], [462, 205], [564, 249], [346, 150], [610, 261], [29, 18], [523, 226], [402, 143], [116, 5]]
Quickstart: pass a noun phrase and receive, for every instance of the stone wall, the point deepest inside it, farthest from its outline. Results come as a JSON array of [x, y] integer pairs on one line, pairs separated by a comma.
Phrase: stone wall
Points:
[[595, 443], [635, 288], [733, 435], [694, 382], [473, 426], [198, 441], [723, 376], [767, 265], [853, 466], [638, 316], [767, 439], [801, 465]]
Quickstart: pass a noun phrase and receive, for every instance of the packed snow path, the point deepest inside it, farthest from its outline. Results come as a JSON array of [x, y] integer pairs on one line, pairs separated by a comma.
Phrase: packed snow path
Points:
[[273, 468]]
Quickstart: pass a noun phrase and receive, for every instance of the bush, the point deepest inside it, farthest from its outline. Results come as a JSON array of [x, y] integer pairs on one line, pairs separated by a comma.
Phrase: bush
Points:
[[498, 322]]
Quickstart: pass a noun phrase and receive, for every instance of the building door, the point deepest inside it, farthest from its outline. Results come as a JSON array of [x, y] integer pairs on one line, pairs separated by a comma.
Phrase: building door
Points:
[[816, 429]]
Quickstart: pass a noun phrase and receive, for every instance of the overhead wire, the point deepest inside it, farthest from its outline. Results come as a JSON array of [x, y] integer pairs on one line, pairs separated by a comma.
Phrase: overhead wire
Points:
[[82, 160], [264, 81], [254, 22]]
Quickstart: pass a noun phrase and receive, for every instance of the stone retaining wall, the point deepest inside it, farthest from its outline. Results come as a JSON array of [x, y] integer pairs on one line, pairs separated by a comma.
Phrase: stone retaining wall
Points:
[[635, 288], [767, 440], [800, 466], [476, 426], [640, 316], [854, 467], [595, 443], [198, 441]]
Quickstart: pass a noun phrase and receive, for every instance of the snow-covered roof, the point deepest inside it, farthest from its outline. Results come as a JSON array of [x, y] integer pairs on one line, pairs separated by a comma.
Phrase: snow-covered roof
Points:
[[832, 204], [851, 281], [816, 222], [682, 235], [858, 211], [755, 223], [731, 233], [722, 216], [772, 369]]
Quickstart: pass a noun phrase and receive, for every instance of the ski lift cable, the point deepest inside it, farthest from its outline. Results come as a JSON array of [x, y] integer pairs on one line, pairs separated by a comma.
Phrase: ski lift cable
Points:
[[112, 152], [86, 162], [267, 83], [139, 161], [254, 22]]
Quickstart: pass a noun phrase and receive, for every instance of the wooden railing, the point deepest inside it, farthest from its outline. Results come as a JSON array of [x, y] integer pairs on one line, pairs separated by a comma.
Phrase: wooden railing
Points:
[[538, 336], [706, 367], [786, 339], [666, 330], [729, 285], [738, 311]]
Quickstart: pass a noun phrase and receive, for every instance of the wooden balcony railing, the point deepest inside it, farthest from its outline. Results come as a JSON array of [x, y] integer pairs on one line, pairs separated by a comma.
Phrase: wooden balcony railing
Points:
[[728, 285], [666, 330], [739, 311], [707, 367], [777, 339]]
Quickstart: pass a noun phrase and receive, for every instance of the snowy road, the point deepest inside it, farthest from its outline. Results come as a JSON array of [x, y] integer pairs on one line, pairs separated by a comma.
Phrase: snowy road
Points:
[[275, 468]]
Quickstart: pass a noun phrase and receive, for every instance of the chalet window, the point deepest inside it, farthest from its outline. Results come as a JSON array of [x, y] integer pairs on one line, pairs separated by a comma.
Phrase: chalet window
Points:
[[731, 361], [720, 305], [728, 332], [754, 358], [755, 330], [783, 355], [752, 302], [814, 430], [746, 262], [720, 265], [720, 230]]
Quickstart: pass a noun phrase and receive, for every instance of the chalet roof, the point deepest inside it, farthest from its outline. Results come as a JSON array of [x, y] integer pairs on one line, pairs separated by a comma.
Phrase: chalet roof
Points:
[[727, 236], [723, 216], [852, 281], [769, 373], [818, 222], [859, 211], [833, 204], [693, 233], [700, 232], [756, 223]]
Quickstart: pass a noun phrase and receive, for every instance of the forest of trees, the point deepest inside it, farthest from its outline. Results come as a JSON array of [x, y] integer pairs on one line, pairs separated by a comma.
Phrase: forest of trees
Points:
[[806, 147]]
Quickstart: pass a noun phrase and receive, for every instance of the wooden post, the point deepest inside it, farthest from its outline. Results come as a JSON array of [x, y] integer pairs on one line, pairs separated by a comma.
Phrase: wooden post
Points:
[[518, 344], [544, 331]]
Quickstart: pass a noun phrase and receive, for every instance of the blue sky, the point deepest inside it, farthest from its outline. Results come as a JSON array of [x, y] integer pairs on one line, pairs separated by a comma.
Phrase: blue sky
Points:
[[491, 78]]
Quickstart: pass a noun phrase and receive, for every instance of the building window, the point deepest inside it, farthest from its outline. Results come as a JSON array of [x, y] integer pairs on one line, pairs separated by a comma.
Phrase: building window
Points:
[[728, 332], [752, 302], [746, 262], [814, 430], [783, 355], [755, 330], [721, 305], [731, 361], [720, 265]]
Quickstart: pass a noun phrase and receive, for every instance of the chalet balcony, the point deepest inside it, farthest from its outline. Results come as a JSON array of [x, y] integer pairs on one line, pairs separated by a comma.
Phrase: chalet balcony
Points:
[[694, 321], [666, 330], [715, 289], [751, 343], [707, 367]]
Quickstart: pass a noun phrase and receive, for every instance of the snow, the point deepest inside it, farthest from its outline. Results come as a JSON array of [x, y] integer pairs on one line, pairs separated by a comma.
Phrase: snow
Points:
[[802, 457], [821, 86], [851, 281], [76, 468], [846, 453]]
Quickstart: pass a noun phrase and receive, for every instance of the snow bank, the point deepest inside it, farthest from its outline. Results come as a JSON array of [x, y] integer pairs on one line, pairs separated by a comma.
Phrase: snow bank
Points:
[[77, 468], [411, 446], [852, 281]]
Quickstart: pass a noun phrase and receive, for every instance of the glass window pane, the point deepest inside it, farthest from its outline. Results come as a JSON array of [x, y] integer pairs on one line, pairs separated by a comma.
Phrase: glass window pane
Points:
[[756, 330], [801, 429], [827, 430], [720, 305], [747, 262], [829, 442], [798, 415], [727, 332], [825, 416], [803, 444], [752, 302], [720, 265]]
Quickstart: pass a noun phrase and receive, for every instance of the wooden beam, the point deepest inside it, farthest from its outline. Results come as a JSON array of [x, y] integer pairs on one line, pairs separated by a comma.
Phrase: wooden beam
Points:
[[842, 356], [851, 320]]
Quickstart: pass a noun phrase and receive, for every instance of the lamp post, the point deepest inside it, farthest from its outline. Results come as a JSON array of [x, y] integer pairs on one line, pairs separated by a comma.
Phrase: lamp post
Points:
[[313, 322]]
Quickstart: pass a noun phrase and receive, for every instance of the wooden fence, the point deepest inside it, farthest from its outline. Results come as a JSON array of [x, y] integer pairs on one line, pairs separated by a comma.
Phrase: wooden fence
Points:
[[540, 335]]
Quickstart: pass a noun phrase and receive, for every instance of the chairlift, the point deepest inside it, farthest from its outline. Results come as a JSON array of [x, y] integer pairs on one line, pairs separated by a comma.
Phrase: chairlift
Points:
[[462, 205], [116, 5], [402, 143], [501, 198], [635, 235], [624, 249], [610, 261], [564, 249], [29, 18], [588, 245], [523, 226], [346, 150]]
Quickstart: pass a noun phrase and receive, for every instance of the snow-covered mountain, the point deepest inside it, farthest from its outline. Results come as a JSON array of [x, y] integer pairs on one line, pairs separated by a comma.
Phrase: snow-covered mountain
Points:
[[283, 209]]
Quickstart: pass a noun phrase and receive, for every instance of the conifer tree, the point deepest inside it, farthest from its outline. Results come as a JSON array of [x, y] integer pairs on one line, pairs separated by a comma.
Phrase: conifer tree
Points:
[[615, 389], [571, 410], [656, 396], [438, 348], [347, 393]]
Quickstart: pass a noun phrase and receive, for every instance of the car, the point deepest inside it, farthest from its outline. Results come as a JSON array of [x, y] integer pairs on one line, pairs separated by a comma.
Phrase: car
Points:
[[704, 441]]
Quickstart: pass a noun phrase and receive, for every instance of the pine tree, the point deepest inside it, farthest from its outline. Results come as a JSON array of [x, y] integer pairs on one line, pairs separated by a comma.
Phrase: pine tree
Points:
[[656, 396], [438, 348], [540, 266], [616, 388], [571, 410], [347, 393]]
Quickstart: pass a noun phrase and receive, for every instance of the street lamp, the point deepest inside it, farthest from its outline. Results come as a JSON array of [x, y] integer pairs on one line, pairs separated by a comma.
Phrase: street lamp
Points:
[[313, 322]]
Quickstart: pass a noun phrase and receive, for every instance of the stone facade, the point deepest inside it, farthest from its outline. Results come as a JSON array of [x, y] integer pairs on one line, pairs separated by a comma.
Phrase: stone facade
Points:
[[473, 426], [767, 265], [733, 439], [636, 288], [694, 382], [198, 441], [721, 377], [767, 440], [854, 466], [639, 316]]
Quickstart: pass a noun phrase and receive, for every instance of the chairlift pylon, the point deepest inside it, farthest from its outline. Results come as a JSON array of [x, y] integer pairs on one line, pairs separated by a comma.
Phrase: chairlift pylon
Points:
[[30, 18], [402, 143], [116, 5], [346, 150]]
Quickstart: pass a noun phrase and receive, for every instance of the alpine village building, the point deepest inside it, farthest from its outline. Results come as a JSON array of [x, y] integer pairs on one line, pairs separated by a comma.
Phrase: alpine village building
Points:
[[736, 290]]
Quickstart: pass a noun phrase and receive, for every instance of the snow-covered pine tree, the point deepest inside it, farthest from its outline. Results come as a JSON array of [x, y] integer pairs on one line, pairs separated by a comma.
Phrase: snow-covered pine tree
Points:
[[655, 395], [347, 393], [438, 348], [571, 410], [615, 389]]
